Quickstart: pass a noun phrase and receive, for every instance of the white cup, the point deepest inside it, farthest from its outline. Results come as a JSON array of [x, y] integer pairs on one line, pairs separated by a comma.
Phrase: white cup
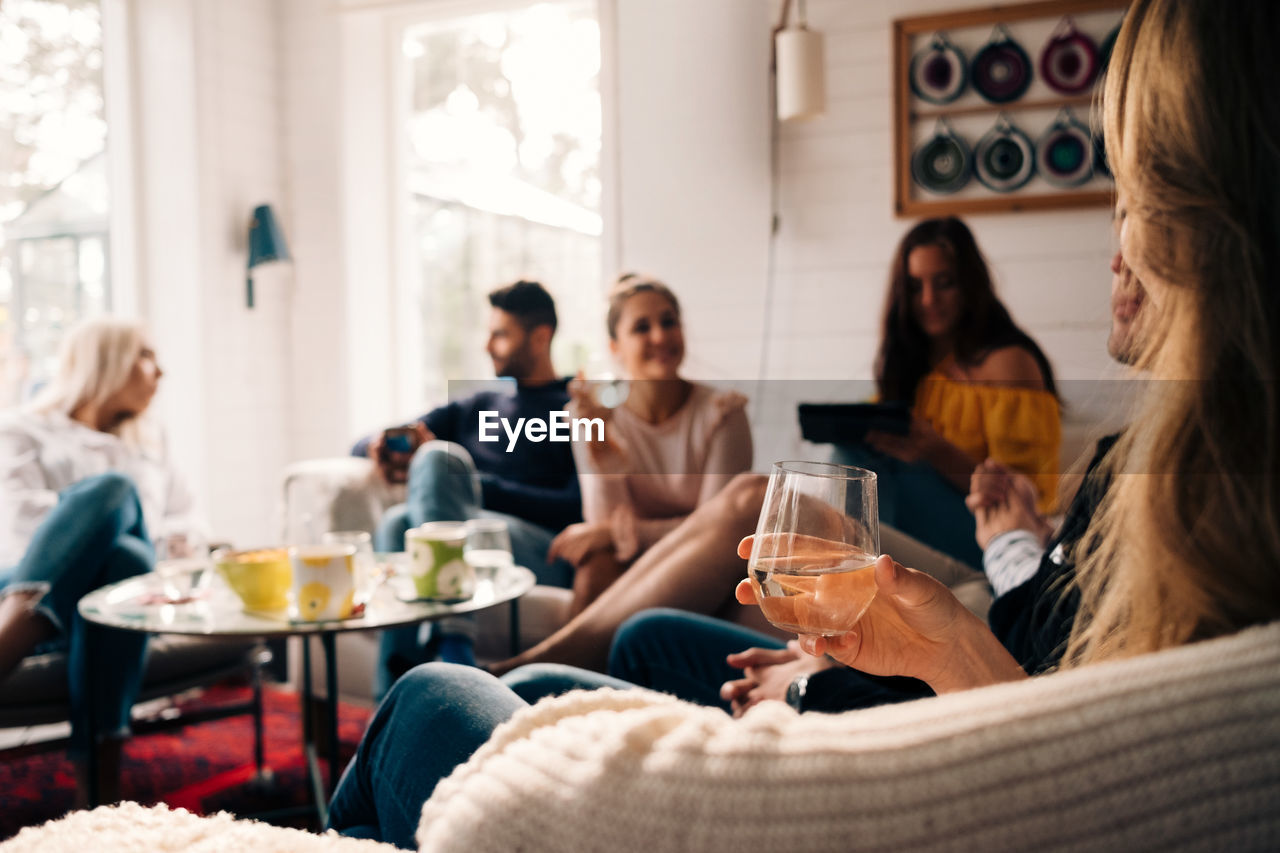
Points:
[[437, 566], [324, 585]]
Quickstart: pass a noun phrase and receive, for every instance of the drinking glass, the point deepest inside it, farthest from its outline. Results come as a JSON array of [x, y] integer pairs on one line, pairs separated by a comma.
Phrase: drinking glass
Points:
[[182, 564], [812, 562], [365, 570], [609, 388], [488, 547]]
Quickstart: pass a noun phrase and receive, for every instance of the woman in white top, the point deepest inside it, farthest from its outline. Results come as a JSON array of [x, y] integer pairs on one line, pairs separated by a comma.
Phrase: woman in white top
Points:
[[670, 447], [83, 485]]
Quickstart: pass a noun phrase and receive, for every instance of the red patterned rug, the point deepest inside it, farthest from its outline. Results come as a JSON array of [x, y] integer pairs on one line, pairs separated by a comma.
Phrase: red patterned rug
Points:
[[204, 768]]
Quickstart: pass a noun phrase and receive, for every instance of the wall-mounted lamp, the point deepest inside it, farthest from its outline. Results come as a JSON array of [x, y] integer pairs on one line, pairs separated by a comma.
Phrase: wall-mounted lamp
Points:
[[799, 67], [266, 244]]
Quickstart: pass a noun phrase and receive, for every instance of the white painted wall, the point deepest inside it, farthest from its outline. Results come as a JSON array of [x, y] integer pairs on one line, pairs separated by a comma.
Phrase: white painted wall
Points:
[[692, 154], [838, 231], [245, 101], [207, 150]]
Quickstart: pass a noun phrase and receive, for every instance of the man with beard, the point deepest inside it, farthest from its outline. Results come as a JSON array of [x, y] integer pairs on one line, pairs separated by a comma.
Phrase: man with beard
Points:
[[452, 475]]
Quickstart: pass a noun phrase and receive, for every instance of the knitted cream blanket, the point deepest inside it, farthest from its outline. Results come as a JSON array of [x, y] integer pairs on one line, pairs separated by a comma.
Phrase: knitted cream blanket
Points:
[[1177, 750]]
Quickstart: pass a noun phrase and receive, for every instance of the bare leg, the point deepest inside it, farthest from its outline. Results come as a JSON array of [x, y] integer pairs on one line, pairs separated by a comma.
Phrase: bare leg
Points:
[[22, 628], [694, 567], [592, 577]]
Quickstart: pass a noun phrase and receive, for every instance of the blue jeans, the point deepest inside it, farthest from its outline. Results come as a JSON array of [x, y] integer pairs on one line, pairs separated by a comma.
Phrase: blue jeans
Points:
[[437, 715], [916, 499], [681, 653], [431, 721], [94, 536], [444, 486], [671, 651]]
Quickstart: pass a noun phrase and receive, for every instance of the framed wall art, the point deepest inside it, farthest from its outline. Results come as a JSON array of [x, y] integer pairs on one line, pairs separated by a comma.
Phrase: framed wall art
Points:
[[993, 108]]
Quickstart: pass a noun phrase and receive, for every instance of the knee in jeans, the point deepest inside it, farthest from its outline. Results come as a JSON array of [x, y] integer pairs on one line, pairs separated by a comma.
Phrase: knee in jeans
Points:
[[441, 459], [128, 557], [636, 633], [435, 678], [111, 491], [441, 467]]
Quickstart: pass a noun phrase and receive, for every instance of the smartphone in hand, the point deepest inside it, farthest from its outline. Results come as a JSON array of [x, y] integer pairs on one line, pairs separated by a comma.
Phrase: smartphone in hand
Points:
[[396, 449]]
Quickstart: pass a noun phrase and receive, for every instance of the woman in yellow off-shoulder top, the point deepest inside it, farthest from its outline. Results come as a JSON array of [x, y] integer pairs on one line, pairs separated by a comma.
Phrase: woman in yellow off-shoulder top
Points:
[[978, 385]]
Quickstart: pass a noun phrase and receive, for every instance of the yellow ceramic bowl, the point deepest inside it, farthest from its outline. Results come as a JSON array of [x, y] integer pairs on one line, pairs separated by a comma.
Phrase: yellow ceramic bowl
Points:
[[261, 578]]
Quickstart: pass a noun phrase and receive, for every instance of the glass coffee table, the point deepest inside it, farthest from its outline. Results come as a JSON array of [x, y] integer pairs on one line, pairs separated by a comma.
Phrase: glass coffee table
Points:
[[163, 602]]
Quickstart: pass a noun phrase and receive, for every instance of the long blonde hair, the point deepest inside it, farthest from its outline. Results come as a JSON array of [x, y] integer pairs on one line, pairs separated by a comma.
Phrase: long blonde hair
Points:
[[1187, 544], [94, 362]]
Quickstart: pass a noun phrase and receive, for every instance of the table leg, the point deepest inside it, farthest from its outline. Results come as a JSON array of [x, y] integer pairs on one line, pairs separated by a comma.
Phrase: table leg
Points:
[[514, 626], [328, 642], [318, 791], [308, 737]]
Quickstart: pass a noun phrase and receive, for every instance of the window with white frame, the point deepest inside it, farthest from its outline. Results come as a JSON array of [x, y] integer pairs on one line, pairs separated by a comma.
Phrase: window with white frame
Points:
[[501, 125], [54, 248]]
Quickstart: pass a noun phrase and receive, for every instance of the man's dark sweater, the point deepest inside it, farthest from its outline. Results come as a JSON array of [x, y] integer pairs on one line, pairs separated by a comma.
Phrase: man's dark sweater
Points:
[[535, 481], [1033, 620]]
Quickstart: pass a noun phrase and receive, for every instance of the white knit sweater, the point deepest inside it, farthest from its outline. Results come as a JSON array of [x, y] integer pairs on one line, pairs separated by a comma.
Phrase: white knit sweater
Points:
[[1174, 751], [1178, 750]]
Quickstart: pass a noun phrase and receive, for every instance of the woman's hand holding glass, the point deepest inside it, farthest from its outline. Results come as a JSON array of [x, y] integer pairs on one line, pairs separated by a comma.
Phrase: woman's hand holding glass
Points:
[[813, 570], [913, 627], [606, 456]]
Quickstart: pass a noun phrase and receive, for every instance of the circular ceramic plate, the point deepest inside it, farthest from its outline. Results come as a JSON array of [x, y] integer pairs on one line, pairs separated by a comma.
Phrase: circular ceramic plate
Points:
[[1004, 159], [938, 73], [941, 165], [1069, 63], [1065, 154], [1001, 72]]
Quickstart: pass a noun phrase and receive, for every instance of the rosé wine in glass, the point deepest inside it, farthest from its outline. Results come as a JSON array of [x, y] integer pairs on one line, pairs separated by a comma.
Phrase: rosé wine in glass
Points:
[[812, 562]]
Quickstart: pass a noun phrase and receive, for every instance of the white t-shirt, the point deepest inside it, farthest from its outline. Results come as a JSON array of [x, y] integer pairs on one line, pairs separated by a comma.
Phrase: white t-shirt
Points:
[[42, 454]]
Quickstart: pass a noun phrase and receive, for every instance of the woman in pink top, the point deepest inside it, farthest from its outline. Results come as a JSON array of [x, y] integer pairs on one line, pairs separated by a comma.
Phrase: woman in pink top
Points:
[[668, 448]]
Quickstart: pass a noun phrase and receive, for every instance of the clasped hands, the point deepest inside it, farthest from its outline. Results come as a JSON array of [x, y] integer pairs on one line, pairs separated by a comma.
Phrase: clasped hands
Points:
[[1002, 500]]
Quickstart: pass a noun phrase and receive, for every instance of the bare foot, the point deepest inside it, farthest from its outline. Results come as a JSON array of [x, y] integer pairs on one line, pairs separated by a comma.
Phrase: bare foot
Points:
[[22, 628]]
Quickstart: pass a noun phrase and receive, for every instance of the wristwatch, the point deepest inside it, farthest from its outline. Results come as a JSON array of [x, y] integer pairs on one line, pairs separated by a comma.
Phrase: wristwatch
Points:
[[796, 690]]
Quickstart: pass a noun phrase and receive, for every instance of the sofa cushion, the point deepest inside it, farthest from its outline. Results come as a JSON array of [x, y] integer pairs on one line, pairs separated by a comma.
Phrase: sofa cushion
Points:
[[36, 692]]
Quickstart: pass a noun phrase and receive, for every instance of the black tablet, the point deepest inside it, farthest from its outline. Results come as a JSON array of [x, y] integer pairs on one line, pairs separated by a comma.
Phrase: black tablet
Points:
[[845, 423]]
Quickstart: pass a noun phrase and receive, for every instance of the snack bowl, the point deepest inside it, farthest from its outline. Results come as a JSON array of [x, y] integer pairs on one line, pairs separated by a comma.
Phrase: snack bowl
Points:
[[261, 577]]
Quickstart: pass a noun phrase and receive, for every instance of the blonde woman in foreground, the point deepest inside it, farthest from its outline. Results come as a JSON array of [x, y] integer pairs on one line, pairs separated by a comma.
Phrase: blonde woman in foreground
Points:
[[1186, 547]]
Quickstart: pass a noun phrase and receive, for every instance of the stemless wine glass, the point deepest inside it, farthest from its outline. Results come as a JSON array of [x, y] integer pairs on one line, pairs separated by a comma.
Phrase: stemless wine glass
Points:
[[365, 570], [488, 547], [813, 558], [609, 388]]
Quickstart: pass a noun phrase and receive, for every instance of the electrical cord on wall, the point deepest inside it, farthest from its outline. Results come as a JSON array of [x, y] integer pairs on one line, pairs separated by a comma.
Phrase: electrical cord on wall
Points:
[[775, 217]]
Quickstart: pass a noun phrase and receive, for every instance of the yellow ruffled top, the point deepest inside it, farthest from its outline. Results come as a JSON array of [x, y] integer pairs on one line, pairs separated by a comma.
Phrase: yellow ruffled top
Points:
[[1020, 427]]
